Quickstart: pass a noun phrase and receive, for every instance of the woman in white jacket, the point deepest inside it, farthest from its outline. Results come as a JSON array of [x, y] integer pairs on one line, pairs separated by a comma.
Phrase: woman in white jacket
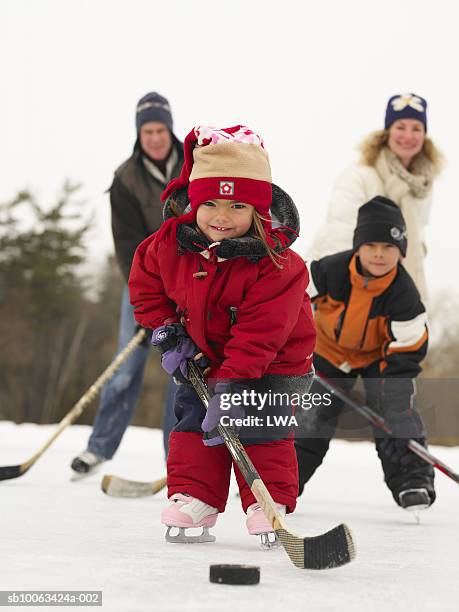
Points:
[[399, 162]]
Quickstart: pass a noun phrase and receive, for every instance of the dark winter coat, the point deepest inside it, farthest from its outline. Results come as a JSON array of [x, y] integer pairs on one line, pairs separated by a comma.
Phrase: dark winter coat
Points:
[[246, 315], [360, 320], [136, 206]]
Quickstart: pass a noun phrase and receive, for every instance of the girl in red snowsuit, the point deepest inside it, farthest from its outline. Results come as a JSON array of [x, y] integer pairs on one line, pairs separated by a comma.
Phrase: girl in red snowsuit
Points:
[[218, 280]]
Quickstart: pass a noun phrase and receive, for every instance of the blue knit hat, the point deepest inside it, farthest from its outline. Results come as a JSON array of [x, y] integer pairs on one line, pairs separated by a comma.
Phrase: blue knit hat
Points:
[[153, 107], [406, 106]]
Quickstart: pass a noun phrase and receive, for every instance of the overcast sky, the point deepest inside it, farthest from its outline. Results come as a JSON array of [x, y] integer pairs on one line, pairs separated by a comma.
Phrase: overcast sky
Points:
[[313, 78]]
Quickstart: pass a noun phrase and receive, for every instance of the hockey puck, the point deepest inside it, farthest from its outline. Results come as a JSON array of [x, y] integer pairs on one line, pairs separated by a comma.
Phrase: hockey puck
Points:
[[234, 574]]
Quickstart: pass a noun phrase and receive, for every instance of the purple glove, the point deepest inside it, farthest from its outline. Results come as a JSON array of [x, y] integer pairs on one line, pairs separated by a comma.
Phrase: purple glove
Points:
[[176, 348], [223, 403], [210, 440]]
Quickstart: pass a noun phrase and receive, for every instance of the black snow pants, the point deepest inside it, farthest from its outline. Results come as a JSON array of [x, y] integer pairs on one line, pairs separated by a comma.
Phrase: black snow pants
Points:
[[402, 469]]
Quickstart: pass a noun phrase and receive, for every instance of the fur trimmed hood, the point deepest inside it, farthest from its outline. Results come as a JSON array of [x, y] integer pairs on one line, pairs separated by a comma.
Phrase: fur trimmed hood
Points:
[[375, 142], [285, 220]]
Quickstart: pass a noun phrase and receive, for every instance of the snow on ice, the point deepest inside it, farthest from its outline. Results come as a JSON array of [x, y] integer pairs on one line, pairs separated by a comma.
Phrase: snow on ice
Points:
[[63, 535]]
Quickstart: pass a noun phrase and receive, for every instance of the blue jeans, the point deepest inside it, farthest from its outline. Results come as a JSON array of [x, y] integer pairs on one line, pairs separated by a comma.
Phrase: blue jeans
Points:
[[121, 393]]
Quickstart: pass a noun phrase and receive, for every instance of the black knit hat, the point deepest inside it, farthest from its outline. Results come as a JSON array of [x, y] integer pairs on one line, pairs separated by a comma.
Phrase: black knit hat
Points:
[[153, 107], [380, 220]]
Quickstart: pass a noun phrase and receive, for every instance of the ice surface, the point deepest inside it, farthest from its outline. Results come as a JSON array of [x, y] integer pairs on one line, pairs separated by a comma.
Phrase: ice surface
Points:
[[64, 535]]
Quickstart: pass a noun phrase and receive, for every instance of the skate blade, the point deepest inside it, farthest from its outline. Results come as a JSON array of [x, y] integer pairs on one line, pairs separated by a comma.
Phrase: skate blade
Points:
[[415, 510], [76, 476], [182, 538], [269, 540]]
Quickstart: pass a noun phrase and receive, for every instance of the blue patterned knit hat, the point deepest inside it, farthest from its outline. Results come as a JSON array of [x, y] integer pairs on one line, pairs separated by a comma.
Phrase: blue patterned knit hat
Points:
[[153, 107], [406, 106]]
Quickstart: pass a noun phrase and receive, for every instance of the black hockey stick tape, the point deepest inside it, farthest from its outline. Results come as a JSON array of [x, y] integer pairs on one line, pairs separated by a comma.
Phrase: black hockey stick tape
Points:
[[234, 574]]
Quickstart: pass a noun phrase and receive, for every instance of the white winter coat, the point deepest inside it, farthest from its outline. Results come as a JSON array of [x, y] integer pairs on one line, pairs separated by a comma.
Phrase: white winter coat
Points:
[[358, 185]]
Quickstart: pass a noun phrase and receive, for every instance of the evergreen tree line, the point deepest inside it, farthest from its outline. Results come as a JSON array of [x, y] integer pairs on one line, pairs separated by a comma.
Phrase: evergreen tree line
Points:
[[59, 327]]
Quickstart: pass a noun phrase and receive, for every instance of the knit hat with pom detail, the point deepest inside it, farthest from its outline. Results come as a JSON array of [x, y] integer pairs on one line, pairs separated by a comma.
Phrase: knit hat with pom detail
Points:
[[225, 163]]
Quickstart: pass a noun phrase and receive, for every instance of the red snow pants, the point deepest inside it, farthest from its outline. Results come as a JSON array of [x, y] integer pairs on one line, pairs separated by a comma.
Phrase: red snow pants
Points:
[[204, 472]]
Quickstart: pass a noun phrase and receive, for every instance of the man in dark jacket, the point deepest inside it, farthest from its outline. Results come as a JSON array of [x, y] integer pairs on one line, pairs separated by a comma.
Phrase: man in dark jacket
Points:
[[136, 213]]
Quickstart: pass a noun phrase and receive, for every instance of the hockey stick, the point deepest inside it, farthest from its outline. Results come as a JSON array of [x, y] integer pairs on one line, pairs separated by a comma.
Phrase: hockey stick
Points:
[[325, 551], [378, 421], [13, 471], [120, 487]]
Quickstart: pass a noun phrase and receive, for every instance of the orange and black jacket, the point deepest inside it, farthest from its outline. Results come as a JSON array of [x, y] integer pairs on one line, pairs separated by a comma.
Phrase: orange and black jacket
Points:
[[362, 320]]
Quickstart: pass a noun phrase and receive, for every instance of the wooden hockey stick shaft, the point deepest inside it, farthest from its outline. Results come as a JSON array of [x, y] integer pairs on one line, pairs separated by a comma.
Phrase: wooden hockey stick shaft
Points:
[[13, 471], [328, 550]]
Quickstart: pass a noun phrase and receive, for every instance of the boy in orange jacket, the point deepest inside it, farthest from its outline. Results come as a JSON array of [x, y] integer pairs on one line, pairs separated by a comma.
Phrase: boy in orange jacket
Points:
[[371, 323]]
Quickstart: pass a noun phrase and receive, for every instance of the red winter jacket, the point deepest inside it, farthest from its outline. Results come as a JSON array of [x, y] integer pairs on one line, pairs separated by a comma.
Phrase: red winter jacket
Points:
[[249, 318]]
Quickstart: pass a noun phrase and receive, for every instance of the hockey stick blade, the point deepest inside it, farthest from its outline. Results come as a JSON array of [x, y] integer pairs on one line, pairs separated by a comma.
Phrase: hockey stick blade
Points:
[[121, 487], [326, 551], [12, 471]]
